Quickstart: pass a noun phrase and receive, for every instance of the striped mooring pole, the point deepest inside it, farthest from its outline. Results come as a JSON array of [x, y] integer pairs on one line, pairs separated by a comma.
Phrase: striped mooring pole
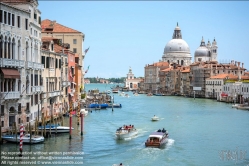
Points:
[[21, 137]]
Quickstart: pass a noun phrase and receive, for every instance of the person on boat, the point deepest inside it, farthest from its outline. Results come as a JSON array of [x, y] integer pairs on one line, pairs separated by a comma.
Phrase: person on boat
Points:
[[120, 164], [159, 130], [163, 130]]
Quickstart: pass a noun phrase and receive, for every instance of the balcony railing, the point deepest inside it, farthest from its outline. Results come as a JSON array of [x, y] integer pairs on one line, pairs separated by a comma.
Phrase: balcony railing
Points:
[[34, 65], [65, 83], [10, 95], [12, 63], [29, 65], [37, 88], [53, 94]]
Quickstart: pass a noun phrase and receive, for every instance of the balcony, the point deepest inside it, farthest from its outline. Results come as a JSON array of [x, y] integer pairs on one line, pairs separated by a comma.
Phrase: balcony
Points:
[[65, 83], [53, 94], [12, 63], [29, 65], [34, 65], [38, 66], [37, 88], [10, 95]]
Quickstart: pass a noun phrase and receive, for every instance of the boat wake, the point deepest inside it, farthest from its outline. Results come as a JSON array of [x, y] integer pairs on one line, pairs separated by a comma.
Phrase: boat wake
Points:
[[169, 144]]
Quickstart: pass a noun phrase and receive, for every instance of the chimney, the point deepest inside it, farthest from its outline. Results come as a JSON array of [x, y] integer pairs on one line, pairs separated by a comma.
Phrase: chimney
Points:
[[242, 65], [238, 65]]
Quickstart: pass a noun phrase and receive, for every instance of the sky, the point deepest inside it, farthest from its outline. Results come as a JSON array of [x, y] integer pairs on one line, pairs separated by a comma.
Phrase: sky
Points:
[[124, 34]]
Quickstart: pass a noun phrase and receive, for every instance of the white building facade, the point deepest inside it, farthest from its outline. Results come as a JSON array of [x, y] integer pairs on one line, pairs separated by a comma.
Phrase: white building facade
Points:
[[20, 62], [131, 82]]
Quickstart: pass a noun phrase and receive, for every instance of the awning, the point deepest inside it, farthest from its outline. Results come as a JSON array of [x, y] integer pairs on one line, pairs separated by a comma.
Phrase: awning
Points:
[[224, 94], [71, 94], [11, 73]]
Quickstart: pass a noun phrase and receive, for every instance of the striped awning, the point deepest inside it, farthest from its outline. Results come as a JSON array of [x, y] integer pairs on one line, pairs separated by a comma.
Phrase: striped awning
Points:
[[10, 73]]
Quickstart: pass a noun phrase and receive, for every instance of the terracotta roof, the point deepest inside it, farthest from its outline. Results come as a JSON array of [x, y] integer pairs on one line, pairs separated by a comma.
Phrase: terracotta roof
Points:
[[161, 64], [52, 26], [47, 38], [223, 76], [166, 70], [185, 71], [247, 73], [245, 77]]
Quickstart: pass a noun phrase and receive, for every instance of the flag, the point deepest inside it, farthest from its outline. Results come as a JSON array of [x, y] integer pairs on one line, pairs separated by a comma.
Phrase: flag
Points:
[[87, 69], [86, 50]]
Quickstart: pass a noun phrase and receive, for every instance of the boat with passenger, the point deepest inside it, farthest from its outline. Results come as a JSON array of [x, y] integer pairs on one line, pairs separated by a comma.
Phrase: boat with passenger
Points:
[[157, 139], [127, 131], [25, 139], [155, 118]]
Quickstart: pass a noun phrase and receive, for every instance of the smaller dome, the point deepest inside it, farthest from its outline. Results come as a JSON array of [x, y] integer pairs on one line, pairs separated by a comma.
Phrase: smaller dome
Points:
[[202, 52]]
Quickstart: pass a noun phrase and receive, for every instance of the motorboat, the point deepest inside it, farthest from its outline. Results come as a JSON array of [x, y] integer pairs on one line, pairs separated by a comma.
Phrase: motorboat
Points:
[[110, 105], [84, 112], [115, 90], [155, 118], [243, 107], [95, 105], [25, 139], [157, 139], [127, 131], [149, 94], [56, 128]]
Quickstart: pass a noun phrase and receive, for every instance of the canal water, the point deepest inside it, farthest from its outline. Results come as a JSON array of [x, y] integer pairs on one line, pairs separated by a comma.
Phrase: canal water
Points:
[[201, 132]]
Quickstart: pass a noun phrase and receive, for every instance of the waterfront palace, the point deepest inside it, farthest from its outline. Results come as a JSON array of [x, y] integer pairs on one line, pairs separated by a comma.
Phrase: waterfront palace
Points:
[[41, 65]]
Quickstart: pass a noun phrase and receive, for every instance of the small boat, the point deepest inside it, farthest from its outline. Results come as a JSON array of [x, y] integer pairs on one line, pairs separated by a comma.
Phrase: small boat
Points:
[[56, 128], [135, 94], [126, 95], [149, 94], [243, 107], [126, 132], [84, 112], [155, 118], [26, 138], [115, 90], [157, 139], [114, 105], [95, 105]]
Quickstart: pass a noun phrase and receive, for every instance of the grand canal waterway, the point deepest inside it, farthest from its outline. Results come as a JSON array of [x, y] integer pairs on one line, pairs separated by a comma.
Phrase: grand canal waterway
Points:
[[201, 131]]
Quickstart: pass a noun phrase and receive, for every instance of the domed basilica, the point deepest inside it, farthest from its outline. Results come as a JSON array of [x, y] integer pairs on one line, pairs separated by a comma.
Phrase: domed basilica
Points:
[[206, 52], [177, 50]]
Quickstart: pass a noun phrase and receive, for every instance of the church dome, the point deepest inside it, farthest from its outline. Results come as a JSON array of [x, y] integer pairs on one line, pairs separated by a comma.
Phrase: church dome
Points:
[[202, 52], [176, 45]]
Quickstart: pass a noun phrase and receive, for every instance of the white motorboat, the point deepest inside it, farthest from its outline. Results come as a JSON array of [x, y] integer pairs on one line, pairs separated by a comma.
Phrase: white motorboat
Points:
[[155, 118], [56, 128], [236, 105], [126, 132], [25, 138], [157, 139], [84, 112], [243, 107]]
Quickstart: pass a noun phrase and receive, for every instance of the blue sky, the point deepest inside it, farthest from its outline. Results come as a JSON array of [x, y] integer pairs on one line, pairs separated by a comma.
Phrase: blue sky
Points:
[[123, 34]]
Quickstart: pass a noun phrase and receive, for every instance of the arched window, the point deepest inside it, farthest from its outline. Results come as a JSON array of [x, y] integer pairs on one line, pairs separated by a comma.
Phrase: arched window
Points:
[[27, 50], [181, 62], [19, 50], [13, 48], [9, 45], [1, 46]]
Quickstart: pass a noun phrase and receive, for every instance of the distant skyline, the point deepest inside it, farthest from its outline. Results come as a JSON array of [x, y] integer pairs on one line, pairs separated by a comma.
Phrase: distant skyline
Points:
[[123, 34]]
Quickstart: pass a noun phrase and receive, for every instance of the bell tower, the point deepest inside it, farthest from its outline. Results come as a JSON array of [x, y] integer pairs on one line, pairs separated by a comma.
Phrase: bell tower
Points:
[[214, 49]]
